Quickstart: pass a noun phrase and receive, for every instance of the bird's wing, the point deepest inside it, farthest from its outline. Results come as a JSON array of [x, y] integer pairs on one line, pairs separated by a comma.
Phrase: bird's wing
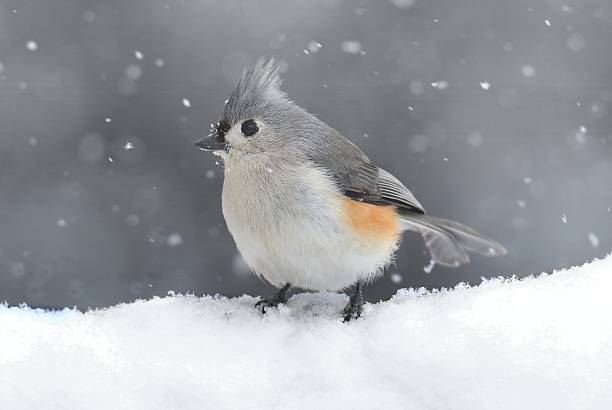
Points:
[[358, 178], [369, 183]]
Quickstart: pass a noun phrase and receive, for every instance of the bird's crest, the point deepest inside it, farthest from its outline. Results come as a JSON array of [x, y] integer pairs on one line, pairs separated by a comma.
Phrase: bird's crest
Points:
[[257, 87]]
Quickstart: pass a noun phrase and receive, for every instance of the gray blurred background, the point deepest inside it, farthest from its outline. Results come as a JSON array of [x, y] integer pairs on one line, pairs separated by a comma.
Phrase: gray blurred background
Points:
[[495, 113]]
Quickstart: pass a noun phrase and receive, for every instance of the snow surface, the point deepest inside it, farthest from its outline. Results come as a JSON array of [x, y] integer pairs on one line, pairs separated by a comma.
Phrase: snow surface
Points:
[[537, 343]]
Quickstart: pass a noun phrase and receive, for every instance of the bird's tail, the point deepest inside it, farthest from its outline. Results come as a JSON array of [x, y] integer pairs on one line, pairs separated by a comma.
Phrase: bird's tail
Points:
[[449, 242]]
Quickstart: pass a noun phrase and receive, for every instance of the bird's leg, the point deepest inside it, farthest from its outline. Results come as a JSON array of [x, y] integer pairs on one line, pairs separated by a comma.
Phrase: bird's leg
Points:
[[278, 298], [355, 305]]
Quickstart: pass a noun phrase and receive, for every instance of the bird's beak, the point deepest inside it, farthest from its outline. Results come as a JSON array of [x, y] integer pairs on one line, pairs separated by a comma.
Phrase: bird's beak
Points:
[[211, 143]]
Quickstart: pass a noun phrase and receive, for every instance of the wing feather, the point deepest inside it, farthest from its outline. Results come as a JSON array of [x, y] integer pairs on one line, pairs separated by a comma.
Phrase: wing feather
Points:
[[356, 176], [372, 184]]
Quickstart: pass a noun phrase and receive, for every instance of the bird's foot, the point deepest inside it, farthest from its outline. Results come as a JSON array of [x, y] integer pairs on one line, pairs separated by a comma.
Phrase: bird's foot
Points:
[[352, 311], [272, 301], [278, 298], [355, 306]]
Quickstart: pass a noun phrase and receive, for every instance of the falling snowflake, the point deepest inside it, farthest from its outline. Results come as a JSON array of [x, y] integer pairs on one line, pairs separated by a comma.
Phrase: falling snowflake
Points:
[[440, 85], [174, 240], [128, 146], [404, 4], [528, 71], [430, 266], [581, 137], [313, 47], [351, 47], [186, 103], [132, 220], [89, 16], [32, 45], [133, 72], [138, 54], [594, 240], [485, 85], [575, 41]]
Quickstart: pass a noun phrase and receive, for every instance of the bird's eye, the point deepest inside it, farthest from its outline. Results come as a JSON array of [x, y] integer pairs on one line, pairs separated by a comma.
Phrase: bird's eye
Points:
[[249, 128]]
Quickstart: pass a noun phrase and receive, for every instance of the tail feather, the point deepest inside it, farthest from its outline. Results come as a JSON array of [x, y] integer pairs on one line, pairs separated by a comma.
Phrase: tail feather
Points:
[[449, 242]]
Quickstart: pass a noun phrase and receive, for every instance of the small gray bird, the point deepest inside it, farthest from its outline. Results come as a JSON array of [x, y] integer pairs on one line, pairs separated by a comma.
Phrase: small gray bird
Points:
[[306, 207]]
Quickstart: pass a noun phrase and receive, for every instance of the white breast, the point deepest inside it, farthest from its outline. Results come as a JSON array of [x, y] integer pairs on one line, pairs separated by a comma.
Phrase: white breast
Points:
[[287, 224]]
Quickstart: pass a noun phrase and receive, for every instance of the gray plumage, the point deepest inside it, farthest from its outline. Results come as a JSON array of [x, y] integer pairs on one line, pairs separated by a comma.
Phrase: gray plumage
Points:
[[291, 129]]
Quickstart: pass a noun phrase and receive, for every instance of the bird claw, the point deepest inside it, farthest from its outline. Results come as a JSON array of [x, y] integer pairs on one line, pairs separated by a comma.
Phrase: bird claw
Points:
[[270, 302], [278, 298]]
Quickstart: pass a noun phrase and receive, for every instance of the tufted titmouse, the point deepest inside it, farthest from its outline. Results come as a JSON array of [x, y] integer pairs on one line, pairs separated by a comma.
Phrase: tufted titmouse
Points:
[[306, 207]]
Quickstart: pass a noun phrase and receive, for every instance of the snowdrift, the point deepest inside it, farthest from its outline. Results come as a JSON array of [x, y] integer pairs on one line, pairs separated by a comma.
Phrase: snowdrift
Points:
[[538, 343]]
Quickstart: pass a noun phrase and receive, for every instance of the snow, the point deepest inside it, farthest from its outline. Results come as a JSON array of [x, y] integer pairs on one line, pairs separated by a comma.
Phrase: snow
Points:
[[32, 45], [132, 220], [429, 267], [404, 4], [313, 47], [528, 71], [89, 16], [351, 47], [133, 72], [575, 42], [440, 85], [175, 239], [396, 278], [543, 342], [593, 239]]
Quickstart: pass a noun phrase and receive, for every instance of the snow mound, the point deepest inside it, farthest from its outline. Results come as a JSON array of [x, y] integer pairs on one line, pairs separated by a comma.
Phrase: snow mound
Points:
[[537, 343]]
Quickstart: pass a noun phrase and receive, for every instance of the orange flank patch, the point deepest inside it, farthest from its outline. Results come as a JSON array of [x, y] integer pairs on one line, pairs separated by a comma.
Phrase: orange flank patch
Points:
[[373, 222]]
